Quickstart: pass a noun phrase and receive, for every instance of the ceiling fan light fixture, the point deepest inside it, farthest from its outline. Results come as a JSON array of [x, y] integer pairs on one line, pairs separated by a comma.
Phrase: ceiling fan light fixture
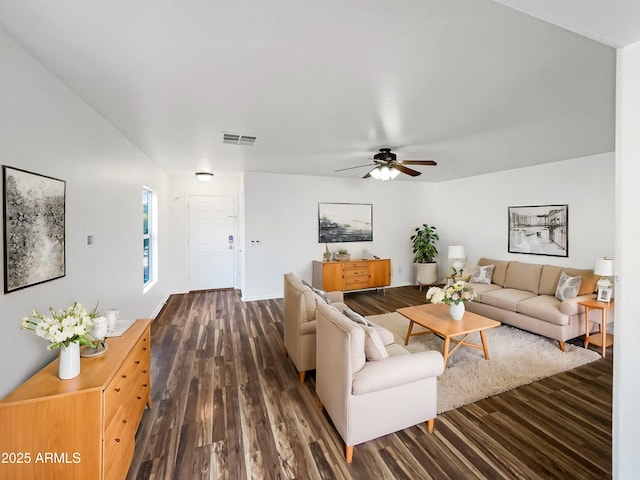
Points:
[[204, 176], [384, 173]]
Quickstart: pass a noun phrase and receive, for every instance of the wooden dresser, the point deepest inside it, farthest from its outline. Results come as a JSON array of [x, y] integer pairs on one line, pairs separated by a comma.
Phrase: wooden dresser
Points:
[[82, 428], [352, 274]]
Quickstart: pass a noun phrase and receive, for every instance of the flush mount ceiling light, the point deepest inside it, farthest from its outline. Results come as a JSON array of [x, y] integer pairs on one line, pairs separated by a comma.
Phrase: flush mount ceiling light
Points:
[[204, 176]]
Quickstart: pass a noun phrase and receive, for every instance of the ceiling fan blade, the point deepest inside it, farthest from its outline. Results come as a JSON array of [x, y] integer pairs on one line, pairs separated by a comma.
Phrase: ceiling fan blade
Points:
[[406, 170], [418, 162], [351, 168]]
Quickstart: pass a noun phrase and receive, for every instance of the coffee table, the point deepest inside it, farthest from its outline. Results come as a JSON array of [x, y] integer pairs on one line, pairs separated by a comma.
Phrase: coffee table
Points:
[[435, 318]]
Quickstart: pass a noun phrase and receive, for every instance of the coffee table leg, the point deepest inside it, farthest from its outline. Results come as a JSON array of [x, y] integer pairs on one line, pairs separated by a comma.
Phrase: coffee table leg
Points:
[[484, 345], [445, 351], [406, 340]]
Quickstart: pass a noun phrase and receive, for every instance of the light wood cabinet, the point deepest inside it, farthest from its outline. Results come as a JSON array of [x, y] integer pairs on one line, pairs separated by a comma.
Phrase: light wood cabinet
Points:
[[352, 275], [83, 427]]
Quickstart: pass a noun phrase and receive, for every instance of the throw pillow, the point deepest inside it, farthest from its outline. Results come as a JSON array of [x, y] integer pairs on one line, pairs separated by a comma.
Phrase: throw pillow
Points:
[[356, 317], [568, 287], [373, 345], [323, 295], [482, 274], [385, 335]]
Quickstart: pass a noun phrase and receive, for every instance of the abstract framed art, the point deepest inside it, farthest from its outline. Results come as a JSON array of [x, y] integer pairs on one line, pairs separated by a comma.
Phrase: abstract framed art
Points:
[[345, 222], [539, 230], [34, 228]]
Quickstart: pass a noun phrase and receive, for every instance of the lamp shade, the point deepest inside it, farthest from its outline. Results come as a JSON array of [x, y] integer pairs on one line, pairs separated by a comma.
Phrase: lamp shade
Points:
[[456, 251], [604, 267]]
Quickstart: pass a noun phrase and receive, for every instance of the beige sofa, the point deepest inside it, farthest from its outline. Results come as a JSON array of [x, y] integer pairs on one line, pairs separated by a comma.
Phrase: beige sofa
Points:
[[367, 399], [300, 322], [524, 295]]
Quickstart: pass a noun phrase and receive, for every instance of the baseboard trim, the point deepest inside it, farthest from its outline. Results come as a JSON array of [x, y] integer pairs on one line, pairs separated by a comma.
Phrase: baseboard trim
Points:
[[261, 297], [160, 306]]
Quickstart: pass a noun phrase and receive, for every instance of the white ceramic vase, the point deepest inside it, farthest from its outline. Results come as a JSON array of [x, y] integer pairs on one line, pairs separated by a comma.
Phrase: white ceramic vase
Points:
[[69, 366], [456, 310]]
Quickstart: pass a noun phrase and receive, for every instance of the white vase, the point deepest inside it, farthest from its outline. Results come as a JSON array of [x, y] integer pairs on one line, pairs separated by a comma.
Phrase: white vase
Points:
[[456, 310], [69, 366]]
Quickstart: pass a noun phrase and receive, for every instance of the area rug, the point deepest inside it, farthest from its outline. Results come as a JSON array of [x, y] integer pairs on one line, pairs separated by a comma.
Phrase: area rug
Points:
[[516, 358]]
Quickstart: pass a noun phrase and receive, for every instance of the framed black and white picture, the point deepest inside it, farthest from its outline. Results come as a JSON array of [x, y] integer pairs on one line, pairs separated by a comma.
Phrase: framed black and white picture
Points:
[[345, 222], [539, 230], [604, 294], [34, 228]]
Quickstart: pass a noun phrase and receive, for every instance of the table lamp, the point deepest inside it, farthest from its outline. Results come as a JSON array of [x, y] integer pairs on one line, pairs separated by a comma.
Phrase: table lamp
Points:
[[604, 268], [457, 257]]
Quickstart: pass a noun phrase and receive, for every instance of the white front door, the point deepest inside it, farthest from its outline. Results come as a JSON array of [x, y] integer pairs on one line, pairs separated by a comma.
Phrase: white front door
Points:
[[211, 242]]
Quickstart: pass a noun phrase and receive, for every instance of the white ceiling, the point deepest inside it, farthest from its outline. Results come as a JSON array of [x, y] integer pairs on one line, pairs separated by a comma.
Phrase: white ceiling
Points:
[[473, 84]]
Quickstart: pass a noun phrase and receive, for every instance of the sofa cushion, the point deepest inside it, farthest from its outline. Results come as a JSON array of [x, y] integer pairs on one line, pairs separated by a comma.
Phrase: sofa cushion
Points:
[[373, 344], [385, 335], [568, 287], [549, 279], [482, 274], [551, 275], [523, 276], [588, 279], [482, 288], [499, 272], [544, 307], [506, 298]]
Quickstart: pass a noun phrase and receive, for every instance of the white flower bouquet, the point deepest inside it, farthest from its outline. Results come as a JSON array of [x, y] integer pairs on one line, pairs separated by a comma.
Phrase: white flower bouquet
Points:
[[64, 327], [456, 293]]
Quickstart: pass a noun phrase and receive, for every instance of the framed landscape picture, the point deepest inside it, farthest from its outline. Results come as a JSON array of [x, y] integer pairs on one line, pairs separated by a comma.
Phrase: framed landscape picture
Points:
[[345, 222], [34, 228], [539, 230]]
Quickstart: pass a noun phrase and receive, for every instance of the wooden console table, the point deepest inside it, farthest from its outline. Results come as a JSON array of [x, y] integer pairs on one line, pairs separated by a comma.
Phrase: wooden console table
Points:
[[352, 274], [83, 427]]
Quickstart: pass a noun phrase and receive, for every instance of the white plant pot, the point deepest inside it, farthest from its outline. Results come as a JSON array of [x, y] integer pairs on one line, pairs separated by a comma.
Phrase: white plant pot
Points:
[[427, 273]]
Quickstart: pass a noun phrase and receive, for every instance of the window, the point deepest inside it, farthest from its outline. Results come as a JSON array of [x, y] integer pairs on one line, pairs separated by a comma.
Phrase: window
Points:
[[149, 240]]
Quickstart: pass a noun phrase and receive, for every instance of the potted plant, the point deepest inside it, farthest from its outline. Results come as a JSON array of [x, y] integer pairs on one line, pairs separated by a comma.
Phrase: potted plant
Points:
[[343, 254], [424, 254]]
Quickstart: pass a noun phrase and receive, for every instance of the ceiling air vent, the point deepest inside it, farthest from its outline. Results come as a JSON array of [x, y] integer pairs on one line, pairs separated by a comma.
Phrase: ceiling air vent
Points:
[[235, 139]]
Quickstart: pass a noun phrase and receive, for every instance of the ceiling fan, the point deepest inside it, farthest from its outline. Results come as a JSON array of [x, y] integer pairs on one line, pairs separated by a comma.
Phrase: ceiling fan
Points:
[[386, 166]]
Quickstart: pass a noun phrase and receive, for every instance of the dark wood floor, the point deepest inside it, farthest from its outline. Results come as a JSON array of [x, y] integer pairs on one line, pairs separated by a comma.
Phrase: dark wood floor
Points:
[[226, 403]]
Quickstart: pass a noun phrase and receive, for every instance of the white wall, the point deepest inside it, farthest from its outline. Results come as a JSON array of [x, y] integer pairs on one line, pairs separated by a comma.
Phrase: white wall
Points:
[[180, 188], [46, 129], [626, 387], [473, 211], [282, 212]]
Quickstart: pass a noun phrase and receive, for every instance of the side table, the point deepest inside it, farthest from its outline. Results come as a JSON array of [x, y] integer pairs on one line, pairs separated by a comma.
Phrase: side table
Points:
[[602, 339]]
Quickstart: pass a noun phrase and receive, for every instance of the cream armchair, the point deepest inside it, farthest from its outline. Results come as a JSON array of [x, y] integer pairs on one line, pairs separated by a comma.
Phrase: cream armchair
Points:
[[370, 399], [300, 322]]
